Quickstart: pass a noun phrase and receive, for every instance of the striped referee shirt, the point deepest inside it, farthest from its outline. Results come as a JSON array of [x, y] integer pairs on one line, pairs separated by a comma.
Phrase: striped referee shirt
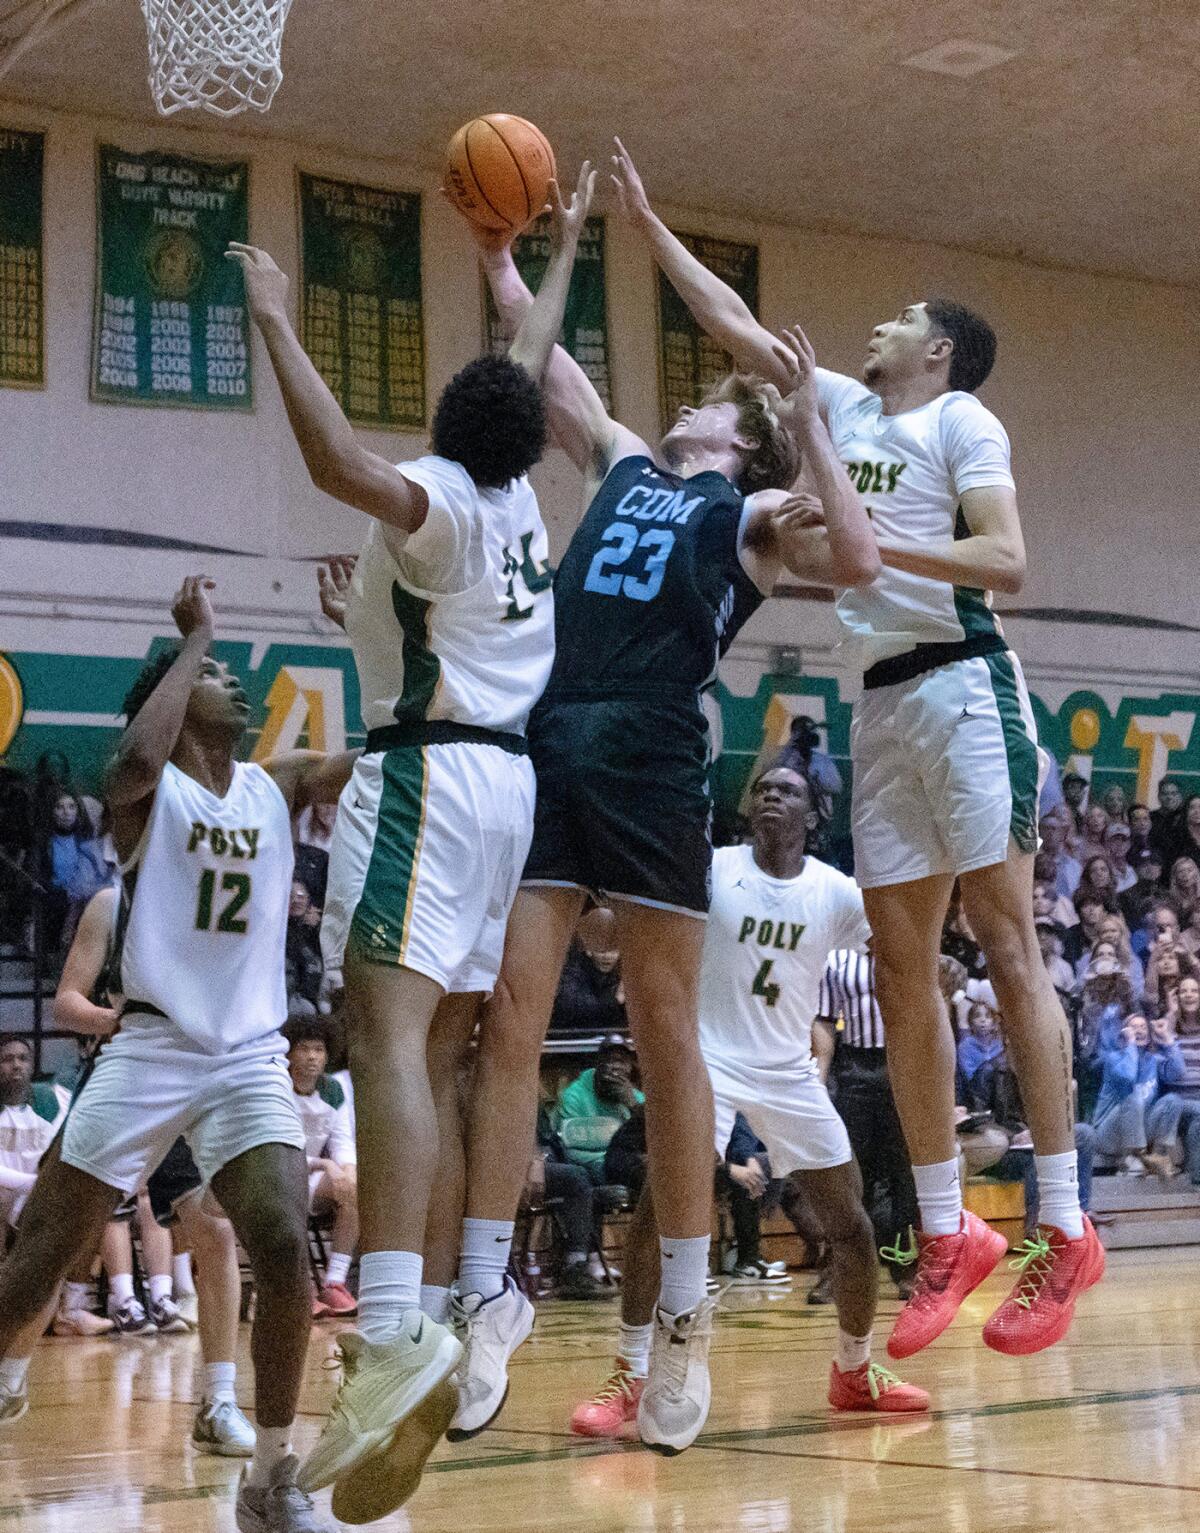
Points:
[[848, 991]]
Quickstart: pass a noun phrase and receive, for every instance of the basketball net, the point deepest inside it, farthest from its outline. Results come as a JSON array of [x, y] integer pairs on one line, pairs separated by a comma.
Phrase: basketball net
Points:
[[222, 56]]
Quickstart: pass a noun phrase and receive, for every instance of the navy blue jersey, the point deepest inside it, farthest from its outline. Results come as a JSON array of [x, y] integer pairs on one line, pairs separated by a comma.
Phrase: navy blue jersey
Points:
[[651, 590]]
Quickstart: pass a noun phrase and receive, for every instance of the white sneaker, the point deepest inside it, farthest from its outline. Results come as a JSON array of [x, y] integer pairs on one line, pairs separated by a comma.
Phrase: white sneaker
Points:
[[80, 1322], [674, 1404], [492, 1330], [188, 1306], [382, 1383], [13, 1403], [759, 1273], [281, 1507], [221, 1428]]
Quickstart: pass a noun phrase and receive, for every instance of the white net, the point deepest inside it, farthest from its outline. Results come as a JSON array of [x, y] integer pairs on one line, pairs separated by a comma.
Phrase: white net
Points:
[[220, 55]]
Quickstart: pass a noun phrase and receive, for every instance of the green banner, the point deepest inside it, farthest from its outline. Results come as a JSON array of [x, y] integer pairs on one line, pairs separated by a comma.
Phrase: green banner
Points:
[[170, 325], [585, 324], [689, 361], [360, 314], [22, 318]]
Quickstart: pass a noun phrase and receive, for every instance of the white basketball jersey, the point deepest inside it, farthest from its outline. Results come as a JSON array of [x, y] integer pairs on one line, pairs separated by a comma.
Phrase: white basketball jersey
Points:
[[209, 887], [765, 950], [458, 623], [911, 470]]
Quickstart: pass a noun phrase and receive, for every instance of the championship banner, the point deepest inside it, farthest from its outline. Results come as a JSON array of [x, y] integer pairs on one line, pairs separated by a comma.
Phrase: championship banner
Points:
[[689, 362], [585, 324], [170, 324], [22, 318], [360, 309]]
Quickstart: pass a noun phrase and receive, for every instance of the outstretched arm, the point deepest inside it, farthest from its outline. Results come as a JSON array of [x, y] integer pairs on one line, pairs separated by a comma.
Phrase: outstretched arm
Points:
[[716, 308], [337, 461], [538, 332], [146, 745], [311, 777]]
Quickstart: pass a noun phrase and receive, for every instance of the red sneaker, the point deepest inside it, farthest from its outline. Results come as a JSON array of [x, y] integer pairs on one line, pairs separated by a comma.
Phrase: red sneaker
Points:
[[338, 1300], [872, 1388], [612, 1407], [1054, 1271], [949, 1267]]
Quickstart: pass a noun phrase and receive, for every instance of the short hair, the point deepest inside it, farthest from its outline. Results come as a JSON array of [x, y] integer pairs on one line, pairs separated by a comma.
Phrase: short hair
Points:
[[306, 1030], [146, 680], [775, 461], [974, 342], [7, 1038], [814, 798], [491, 419]]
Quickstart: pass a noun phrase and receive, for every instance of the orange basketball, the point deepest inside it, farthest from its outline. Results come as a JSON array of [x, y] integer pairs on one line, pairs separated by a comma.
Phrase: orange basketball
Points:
[[498, 171]]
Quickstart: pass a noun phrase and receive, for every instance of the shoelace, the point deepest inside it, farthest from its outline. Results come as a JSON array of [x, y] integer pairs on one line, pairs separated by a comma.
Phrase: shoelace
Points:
[[1035, 1264], [901, 1256], [343, 1363], [880, 1380], [617, 1384]]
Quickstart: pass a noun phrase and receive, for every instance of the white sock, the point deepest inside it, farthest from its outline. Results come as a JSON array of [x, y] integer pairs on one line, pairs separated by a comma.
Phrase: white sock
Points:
[[684, 1273], [337, 1269], [181, 1274], [271, 1445], [389, 1282], [635, 1347], [120, 1289], [160, 1287], [435, 1302], [218, 1382], [74, 1298], [852, 1351], [939, 1193], [486, 1247], [1058, 1192], [13, 1372]]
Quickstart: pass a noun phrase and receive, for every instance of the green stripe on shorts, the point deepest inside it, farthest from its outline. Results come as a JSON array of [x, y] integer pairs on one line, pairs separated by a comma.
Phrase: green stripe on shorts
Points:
[[382, 917], [1020, 749]]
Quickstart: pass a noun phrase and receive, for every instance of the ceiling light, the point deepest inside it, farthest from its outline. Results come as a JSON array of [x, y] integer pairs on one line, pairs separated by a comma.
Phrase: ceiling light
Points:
[[961, 57]]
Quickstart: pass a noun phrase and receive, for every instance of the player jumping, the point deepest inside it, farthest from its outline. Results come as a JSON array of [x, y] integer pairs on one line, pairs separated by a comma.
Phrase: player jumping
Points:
[[947, 771], [776, 915], [678, 546]]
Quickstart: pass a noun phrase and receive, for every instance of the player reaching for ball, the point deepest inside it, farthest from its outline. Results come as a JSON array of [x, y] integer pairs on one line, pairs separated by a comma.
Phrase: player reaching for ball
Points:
[[947, 771], [679, 544], [450, 616]]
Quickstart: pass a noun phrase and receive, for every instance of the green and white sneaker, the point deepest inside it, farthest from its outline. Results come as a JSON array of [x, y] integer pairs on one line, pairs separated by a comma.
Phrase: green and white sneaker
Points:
[[13, 1403], [221, 1428], [382, 1383]]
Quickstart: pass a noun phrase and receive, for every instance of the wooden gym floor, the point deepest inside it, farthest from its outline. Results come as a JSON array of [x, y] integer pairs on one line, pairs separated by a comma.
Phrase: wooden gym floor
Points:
[[1098, 1434]]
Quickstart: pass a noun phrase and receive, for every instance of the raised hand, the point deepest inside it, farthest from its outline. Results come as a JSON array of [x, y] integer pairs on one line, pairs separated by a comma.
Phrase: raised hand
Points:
[[266, 285], [567, 218], [795, 350], [631, 194], [192, 609], [333, 583]]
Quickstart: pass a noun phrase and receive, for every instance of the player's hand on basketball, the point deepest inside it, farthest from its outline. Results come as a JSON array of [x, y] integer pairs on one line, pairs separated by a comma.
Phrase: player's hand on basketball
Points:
[[333, 582], [567, 218], [796, 352], [489, 241], [266, 285], [192, 609], [631, 194]]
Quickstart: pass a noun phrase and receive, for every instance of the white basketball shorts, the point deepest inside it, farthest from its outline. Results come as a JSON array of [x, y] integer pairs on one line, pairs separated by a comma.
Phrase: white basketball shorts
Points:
[[792, 1115]]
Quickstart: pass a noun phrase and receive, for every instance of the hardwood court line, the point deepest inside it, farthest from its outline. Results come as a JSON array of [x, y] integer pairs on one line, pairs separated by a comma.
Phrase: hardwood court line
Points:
[[903, 1463]]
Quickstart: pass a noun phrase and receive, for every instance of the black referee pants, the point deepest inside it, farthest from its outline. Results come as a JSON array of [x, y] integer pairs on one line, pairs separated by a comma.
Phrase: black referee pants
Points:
[[863, 1095]]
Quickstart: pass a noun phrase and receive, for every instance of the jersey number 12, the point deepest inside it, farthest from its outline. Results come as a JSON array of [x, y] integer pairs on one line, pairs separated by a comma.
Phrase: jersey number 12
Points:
[[230, 919]]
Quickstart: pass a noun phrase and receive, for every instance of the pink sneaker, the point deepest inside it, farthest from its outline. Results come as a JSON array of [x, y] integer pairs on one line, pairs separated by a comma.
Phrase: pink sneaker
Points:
[[338, 1300], [949, 1267], [612, 1407]]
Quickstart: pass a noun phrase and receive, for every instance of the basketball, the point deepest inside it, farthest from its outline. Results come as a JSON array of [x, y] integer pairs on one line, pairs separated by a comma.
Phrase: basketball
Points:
[[498, 171]]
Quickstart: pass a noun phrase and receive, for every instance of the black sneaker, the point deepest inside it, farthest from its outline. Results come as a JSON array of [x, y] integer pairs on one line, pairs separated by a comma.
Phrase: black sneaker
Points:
[[821, 1291], [577, 1282]]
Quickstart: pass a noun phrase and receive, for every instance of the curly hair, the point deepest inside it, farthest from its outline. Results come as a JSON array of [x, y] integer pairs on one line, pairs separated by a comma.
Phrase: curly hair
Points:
[[146, 680], [974, 353], [491, 419], [775, 461]]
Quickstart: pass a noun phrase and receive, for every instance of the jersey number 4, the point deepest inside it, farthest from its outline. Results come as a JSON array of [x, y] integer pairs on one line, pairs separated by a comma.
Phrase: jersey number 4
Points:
[[764, 985], [230, 919], [533, 574], [617, 546]]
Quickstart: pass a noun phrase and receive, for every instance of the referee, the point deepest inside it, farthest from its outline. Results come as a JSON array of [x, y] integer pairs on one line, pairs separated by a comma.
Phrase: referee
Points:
[[863, 1094]]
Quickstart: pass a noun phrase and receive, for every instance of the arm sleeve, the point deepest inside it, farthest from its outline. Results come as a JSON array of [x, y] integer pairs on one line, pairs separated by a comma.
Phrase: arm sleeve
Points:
[[976, 446], [437, 557]]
